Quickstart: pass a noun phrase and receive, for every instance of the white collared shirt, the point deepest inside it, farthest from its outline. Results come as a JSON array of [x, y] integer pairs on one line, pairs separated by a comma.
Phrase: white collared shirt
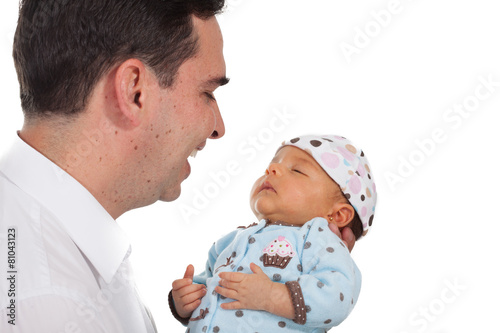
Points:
[[64, 264]]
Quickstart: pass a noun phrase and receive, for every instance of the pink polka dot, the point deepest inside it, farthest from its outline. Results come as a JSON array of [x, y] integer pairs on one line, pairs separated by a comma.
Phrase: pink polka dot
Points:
[[363, 212], [361, 170], [355, 185], [331, 160], [346, 154]]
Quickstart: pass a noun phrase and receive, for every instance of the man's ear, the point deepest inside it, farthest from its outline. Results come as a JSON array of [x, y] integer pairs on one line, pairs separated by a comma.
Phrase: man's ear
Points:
[[130, 88], [341, 214]]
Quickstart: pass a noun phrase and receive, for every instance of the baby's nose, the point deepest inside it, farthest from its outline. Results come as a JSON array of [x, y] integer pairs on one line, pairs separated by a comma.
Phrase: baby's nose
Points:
[[273, 169]]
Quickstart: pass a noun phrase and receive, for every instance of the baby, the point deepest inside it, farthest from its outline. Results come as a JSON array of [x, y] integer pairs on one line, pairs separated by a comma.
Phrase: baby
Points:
[[305, 280]]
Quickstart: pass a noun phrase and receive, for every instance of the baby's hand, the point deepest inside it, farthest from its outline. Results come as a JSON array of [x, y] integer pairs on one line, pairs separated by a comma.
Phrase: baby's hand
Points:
[[346, 235], [255, 292], [187, 296]]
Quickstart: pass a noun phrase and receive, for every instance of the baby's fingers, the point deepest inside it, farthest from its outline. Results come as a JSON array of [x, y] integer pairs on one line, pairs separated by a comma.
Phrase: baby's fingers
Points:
[[230, 285], [190, 289], [232, 305], [193, 297], [232, 276], [228, 293], [181, 283]]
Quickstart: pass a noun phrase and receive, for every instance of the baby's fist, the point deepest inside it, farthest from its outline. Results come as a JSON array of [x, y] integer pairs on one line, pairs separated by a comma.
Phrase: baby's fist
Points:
[[187, 296]]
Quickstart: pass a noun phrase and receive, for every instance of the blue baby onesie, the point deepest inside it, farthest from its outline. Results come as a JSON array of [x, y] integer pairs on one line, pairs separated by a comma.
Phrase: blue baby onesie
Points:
[[323, 279]]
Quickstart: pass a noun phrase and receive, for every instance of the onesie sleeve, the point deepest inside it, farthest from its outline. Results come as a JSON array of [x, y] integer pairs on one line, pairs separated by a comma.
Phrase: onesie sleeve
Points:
[[330, 283], [213, 254]]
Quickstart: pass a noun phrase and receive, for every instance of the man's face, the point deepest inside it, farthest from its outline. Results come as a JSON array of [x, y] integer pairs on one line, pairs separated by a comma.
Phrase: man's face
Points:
[[183, 117], [294, 189]]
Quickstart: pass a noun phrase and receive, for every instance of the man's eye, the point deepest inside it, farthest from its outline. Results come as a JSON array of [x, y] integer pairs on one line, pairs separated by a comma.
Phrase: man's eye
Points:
[[210, 96]]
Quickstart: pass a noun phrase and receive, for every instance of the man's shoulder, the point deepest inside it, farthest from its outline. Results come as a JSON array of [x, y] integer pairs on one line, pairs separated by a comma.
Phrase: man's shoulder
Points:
[[43, 255]]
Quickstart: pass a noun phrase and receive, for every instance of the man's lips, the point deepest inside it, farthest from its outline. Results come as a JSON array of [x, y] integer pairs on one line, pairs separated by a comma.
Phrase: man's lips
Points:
[[266, 186], [197, 149]]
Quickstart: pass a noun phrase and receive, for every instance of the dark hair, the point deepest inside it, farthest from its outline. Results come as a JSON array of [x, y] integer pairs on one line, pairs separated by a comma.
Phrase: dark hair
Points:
[[62, 47], [356, 226]]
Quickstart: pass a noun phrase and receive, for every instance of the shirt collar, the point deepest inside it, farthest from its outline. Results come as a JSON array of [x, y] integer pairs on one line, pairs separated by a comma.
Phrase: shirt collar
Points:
[[88, 224]]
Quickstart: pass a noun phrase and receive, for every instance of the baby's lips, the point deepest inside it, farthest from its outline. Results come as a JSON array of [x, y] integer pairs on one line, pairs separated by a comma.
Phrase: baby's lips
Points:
[[267, 186]]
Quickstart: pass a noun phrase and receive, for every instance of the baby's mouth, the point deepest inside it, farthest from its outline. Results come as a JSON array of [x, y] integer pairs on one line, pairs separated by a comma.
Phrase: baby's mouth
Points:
[[266, 186]]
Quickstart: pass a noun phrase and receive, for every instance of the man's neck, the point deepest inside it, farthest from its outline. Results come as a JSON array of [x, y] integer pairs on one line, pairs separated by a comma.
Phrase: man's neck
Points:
[[83, 154]]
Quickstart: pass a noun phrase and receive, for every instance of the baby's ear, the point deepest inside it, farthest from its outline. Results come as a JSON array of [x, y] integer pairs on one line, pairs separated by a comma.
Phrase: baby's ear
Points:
[[341, 214]]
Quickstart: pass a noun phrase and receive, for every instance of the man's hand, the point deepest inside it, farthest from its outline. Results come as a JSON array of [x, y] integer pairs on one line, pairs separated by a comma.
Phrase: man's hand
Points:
[[187, 296], [346, 235], [255, 292]]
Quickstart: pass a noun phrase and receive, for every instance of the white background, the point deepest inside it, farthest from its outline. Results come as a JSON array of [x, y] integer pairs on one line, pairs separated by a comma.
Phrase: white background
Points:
[[435, 227]]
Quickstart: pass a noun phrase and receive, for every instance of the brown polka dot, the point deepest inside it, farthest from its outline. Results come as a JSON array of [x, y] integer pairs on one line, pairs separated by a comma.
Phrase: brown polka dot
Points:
[[330, 249], [362, 197], [307, 245], [295, 140], [282, 324], [320, 284], [341, 297], [351, 148], [328, 321], [239, 314], [371, 220], [216, 329], [315, 143]]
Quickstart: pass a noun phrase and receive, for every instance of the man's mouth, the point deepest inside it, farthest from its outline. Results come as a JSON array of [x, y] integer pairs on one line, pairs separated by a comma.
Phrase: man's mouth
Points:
[[197, 149]]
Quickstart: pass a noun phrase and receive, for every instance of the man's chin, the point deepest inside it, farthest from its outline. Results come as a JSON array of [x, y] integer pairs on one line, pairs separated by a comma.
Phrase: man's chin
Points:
[[171, 194]]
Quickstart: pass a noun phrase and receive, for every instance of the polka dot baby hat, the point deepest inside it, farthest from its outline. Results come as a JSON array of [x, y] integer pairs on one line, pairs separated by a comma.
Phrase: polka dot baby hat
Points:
[[347, 166]]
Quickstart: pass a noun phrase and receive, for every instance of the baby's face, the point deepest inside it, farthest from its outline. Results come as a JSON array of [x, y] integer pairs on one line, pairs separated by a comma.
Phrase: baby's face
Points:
[[294, 189]]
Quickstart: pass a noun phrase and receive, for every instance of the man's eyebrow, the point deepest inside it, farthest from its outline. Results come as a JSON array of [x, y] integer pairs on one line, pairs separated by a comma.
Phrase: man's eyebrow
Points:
[[217, 82]]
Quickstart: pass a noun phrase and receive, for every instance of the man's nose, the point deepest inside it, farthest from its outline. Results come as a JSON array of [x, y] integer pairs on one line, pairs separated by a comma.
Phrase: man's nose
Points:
[[219, 129]]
